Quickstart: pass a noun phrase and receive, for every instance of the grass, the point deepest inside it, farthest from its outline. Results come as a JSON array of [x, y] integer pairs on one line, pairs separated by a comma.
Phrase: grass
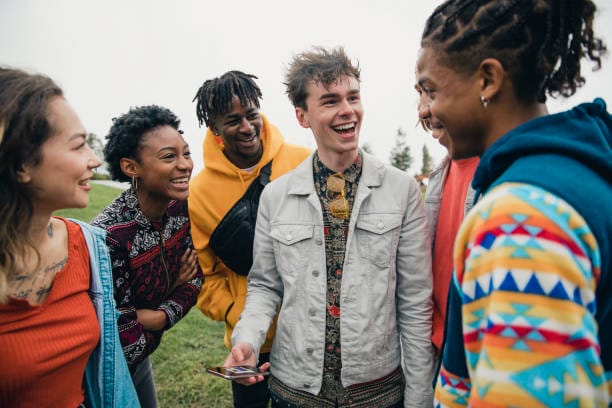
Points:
[[192, 344], [99, 197]]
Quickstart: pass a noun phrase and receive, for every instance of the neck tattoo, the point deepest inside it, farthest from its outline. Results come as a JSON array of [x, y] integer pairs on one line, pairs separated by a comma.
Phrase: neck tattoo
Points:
[[50, 230]]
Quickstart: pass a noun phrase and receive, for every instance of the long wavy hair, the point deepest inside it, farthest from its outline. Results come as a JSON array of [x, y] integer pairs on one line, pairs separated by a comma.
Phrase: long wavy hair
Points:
[[24, 127]]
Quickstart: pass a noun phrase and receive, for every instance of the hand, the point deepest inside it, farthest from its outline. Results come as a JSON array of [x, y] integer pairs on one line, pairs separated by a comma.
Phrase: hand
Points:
[[151, 320], [243, 354], [187, 269]]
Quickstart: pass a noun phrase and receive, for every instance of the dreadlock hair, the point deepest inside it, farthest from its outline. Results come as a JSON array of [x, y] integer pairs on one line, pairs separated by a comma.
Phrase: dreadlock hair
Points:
[[24, 128], [320, 65], [126, 135], [540, 43], [214, 98]]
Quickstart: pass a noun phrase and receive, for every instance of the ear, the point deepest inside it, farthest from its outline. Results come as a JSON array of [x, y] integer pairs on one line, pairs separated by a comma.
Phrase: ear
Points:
[[492, 76], [129, 167], [300, 114], [23, 174]]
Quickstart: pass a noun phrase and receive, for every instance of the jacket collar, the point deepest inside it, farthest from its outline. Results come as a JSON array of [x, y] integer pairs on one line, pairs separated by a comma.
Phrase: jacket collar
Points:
[[301, 180]]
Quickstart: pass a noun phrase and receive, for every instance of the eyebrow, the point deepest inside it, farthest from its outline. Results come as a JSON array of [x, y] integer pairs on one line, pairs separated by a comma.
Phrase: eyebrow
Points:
[[335, 94], [161, 149], [77, 136]]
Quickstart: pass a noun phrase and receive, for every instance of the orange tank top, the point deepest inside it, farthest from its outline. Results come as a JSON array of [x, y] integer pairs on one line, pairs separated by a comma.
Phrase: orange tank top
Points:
[[44, 348]]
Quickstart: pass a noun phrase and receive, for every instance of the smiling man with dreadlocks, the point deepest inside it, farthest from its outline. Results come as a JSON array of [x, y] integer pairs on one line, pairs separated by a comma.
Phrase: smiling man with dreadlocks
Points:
[[242, 152]]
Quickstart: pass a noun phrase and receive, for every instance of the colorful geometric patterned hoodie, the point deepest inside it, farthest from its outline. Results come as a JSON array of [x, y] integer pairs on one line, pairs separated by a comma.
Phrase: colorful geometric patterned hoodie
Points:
[[530, 315]]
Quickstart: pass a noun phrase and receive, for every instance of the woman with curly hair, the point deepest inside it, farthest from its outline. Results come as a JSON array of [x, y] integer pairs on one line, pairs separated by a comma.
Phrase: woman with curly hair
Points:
[[59, 345], [156, 275], [529, 319]]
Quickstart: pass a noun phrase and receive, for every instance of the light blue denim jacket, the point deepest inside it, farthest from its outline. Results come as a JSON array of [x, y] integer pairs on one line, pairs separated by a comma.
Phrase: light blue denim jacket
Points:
[[386, 282], [107, 381]]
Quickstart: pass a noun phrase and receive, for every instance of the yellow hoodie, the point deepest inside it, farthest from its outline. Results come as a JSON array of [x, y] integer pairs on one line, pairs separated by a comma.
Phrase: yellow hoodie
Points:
[[212, 193]]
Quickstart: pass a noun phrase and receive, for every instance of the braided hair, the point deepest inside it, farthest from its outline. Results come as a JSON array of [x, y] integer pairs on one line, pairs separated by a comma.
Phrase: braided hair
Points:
[[214, 98], [540, 43]]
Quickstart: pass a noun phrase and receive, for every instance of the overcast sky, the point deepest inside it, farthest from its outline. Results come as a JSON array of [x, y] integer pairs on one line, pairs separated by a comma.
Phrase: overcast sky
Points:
[[111, 55]]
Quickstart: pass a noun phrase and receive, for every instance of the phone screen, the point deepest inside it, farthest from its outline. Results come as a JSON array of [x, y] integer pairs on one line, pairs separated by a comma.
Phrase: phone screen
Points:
[[231, 373]]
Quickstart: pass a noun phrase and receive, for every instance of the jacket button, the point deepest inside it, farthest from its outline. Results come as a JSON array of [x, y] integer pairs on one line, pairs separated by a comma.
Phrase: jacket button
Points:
[[309, 350], [306, 385], [312, 312], [318, 241], [315, 273], [381, 225], [289, 237]]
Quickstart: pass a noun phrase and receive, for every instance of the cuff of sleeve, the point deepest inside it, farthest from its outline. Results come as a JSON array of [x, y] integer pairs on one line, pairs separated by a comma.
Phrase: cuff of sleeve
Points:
[[173, 313]]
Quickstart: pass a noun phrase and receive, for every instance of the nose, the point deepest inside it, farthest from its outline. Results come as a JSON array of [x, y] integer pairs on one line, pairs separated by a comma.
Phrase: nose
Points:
[[346, 108], [246, 126], [423, 108], [93, 161], [185, 163]]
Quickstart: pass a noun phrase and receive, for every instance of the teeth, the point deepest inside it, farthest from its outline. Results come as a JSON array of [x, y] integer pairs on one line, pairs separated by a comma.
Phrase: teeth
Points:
[[181, 180], [345, 127]]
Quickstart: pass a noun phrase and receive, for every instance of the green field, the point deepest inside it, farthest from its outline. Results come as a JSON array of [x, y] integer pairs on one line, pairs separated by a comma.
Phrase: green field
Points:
[[192, 344]]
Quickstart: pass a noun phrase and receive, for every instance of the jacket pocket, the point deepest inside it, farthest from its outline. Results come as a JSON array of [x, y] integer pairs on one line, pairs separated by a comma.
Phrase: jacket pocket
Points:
[[377, 237], [291, 243]]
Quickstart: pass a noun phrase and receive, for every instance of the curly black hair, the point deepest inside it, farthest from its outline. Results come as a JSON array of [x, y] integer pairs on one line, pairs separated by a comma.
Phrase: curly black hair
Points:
[[126, 133]]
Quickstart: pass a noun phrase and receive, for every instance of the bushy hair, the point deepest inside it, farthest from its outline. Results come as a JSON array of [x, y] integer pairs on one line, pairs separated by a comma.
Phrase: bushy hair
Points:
[[126, 134], [24, 127], [214, 97], [540, 43], [321, 66]]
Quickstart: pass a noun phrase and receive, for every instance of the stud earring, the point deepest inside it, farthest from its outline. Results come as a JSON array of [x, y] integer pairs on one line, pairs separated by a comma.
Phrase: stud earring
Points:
[[484, 101]]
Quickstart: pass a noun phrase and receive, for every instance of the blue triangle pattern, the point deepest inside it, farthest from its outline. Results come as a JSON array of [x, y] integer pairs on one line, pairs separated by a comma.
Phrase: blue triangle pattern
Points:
[[532, 243], [535, 335], [533, 286], [558, 292], [520, 253], [509, 283], [508, 242], [483, 389], [508, 228], [521, 308], [532, 230], [557, 369], [577, 298], [478, 292], [520, 345], [509, 333], [519, 218]]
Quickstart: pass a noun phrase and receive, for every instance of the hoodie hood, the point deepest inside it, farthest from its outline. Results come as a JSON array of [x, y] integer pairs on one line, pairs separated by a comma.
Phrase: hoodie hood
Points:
[[214, 158], [583, 134]]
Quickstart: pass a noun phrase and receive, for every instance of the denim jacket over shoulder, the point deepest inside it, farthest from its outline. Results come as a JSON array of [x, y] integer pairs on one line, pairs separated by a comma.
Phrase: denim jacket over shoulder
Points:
[[386, 282], [107, 381]]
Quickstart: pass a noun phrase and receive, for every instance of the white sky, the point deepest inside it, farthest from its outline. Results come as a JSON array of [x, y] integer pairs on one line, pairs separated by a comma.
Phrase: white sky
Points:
[[110, 55]]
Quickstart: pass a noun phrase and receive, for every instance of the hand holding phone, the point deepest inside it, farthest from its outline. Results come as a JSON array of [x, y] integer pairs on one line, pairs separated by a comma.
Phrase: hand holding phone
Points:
[[235, 372]]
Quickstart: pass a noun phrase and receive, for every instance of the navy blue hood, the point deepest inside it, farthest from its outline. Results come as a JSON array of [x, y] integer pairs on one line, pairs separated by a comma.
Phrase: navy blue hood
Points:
[[583, 134]]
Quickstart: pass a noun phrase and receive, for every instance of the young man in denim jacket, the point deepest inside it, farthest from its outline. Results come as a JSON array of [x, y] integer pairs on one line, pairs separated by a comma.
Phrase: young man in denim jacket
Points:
[[342, 246]]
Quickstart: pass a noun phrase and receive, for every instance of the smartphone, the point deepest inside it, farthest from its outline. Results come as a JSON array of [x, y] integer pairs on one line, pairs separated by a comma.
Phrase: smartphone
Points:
[[232, 373]]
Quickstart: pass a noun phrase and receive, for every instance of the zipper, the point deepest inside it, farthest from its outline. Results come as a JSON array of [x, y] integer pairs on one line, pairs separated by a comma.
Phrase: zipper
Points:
[[162, 255]]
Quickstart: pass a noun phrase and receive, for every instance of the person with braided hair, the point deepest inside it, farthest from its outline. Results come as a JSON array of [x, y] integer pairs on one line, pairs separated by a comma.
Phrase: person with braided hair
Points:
[[242, 152], [529, 318]]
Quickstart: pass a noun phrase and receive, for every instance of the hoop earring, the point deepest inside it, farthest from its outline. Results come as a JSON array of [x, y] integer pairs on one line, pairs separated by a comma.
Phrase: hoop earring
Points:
[[134, 183], [484, 101]]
